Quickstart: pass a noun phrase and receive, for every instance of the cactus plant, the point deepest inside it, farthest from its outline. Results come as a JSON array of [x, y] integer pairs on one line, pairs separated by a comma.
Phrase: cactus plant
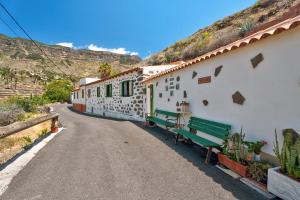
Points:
[[289, 156]]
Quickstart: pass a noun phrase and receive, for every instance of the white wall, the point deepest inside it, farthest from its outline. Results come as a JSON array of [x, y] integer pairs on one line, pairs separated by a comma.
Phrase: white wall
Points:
[[84, 81], [79, 100], [272, 89]]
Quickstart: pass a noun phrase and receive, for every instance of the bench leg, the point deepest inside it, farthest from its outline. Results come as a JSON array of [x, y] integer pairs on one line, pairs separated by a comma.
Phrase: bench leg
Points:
[[176, 139], [208, 155]]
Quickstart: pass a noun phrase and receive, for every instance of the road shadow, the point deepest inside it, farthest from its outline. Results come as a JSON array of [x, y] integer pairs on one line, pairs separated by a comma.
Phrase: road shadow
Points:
[[196, 155]]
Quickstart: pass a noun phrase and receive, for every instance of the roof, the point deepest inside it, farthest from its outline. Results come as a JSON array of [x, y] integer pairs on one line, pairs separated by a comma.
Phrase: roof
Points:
[[288, 21], [135, 69], [124, 73]]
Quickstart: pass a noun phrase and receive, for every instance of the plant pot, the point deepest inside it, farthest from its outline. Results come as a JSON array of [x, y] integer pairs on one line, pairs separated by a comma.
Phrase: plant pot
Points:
[[249, 157], [257, 157], [282, 185], [232, 165], [54, 129]]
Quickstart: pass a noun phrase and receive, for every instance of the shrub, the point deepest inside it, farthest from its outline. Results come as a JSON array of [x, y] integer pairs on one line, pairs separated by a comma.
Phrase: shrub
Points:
[[34, 56], [27, 140], [58, 90], [10, 113], [25, 103], [245, 28], [43, 133]]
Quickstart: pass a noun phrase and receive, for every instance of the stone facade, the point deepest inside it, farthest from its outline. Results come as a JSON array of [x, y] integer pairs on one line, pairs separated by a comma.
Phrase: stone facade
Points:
[[117, 106], [130, 107]]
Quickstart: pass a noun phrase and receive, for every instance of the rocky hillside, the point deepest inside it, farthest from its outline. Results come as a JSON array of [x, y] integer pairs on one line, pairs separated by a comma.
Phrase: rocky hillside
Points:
[[223, 31], [33, 67]]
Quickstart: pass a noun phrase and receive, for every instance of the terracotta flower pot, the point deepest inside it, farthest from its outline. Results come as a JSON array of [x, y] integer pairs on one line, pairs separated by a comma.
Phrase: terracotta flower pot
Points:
[[54, 129], [232, 165]]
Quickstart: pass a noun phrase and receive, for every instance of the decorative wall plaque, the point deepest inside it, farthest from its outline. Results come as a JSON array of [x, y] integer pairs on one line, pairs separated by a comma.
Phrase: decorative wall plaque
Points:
[[184, 94], [257, 59], [218, 70], [204, 80], [205, 102], [194, 74], [238, 98]]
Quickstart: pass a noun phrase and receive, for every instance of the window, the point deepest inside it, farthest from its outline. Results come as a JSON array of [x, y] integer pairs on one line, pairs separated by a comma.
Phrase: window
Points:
[[89, 93], [77, 95], [109, 90], [82, 93], [74, 95], [126, 89], [98, 91]]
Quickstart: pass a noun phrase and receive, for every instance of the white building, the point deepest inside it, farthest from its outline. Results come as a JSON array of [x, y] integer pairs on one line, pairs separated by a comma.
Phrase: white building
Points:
[[121, 96], [253, 83]]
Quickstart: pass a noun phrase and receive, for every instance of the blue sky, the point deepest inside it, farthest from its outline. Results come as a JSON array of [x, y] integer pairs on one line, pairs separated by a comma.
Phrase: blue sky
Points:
[[124, 26]]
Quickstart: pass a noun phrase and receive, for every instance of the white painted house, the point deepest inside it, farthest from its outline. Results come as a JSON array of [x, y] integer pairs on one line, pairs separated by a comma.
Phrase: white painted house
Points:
[[121, 96], [253, 83]]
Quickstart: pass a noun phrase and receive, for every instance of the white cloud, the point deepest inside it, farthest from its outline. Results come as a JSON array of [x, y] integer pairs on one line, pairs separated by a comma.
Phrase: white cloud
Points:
[[134, 53], [66, 44], [120, 50], [94, 47]]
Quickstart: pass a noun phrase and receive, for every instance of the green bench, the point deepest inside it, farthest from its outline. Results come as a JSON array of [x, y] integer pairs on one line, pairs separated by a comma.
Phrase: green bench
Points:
[[214, 129], [167, 122]]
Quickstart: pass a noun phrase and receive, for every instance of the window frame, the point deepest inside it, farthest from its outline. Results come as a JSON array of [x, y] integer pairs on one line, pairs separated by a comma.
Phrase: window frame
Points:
[[129, 88], [98, 91], [89, 93], [108, 90]]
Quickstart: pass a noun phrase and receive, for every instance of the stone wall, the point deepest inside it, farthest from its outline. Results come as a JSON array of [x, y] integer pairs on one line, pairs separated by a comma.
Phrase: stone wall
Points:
[[131, 108]]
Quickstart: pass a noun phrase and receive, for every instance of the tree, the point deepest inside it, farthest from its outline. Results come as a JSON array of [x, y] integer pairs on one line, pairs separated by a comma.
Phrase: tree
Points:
[[6, 74], [105, 70], [59, 90]]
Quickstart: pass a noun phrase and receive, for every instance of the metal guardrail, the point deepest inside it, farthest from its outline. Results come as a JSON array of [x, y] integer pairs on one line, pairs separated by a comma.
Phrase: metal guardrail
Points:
[[19, 126]]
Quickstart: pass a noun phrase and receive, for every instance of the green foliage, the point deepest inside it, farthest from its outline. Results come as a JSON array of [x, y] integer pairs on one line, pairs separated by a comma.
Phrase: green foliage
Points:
[[106, 70], [28, 104], [27, 140], [245, 28], [10, 113], [234, 147], [58, 90], [34, 56], [289, 156], [43, 133], [259, 171]]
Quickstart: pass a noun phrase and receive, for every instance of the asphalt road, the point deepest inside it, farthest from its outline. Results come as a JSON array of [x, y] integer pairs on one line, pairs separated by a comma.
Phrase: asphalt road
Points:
[[96, 158]]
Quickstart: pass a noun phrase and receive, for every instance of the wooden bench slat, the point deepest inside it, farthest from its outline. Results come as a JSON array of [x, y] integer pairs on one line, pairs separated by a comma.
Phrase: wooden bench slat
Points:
[[167, 113], [202, 141], [213, 123], [161, 121], [222, 134]]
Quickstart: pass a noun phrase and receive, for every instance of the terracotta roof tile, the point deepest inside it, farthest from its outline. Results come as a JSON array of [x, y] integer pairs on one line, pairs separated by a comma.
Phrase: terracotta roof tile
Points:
[[260, 34]]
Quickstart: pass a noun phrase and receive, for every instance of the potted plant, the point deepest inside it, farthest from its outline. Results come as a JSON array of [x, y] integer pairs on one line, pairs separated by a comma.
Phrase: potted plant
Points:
[[257, 149], [284, 181], [233, 155], [258, 171]]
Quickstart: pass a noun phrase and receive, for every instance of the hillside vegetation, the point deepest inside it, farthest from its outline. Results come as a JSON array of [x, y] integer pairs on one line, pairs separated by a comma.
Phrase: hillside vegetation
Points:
[[223, 32], [21, 61]]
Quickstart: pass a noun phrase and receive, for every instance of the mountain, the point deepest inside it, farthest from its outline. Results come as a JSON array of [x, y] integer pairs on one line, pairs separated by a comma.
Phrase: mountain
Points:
[[25, 58], [223, 32]]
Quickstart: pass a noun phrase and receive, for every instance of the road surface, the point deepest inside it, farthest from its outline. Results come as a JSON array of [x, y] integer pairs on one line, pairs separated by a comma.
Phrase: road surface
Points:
[[96, 158]]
